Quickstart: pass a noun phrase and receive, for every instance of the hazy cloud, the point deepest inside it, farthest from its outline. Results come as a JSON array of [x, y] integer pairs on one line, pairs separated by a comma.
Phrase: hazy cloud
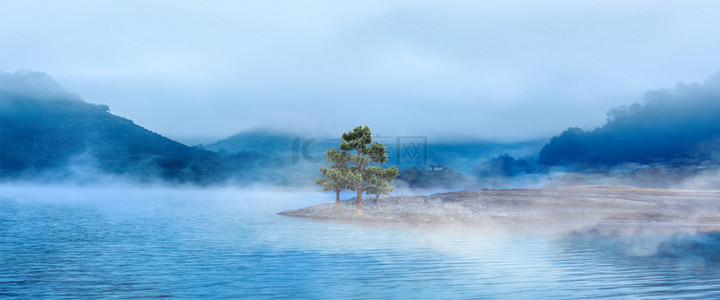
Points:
[[37, 85], [458, 68], [679, 126]]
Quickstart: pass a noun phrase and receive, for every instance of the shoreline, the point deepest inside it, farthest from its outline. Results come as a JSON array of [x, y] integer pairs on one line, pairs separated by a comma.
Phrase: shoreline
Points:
[[565, 209]]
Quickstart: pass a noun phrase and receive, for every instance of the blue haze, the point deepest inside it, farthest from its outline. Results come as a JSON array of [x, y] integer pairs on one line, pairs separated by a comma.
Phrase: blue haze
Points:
[[495, 70], [679, 126], [478, 78]]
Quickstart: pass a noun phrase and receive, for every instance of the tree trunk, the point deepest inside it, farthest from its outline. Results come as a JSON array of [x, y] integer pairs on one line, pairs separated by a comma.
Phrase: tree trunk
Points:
[[377, 201], [358, 201], [337, 200]]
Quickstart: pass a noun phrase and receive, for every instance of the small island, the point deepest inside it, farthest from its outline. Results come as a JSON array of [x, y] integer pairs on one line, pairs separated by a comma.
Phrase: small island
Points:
[[357, 165], [563, 208]]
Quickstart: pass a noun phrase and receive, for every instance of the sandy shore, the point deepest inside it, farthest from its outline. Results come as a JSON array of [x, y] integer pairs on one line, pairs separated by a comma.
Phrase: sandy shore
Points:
[[566, 208]]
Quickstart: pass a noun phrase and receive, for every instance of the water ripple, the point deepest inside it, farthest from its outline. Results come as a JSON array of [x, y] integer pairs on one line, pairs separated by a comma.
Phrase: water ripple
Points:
[[214, 248]]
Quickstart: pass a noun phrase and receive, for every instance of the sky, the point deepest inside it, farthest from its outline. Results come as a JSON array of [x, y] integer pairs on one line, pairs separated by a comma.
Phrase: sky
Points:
[[198, 71]]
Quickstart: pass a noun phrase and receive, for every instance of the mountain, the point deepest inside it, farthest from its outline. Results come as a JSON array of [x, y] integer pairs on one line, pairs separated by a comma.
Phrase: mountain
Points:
[[45, 130], [261, 141], [677, 127]]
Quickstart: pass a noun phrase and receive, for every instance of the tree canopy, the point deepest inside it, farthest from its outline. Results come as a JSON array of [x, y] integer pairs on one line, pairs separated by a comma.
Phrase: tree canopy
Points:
[[357, 166], [380, 180], [336, 174]]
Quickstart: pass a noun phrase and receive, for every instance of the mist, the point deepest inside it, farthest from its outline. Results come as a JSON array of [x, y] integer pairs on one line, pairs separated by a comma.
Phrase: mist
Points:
[[499, 68], [171, 149], [677, 127], [668, 140], [51, 135], [36, 85]]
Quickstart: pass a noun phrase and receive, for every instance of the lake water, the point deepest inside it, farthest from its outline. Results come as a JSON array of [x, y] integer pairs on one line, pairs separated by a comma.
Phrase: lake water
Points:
[[129, 242]]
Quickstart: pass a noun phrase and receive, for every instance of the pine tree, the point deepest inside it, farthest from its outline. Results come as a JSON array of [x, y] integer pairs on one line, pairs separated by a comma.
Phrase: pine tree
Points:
[[350, 167], [336, 174], [380, 182], [362, 153]]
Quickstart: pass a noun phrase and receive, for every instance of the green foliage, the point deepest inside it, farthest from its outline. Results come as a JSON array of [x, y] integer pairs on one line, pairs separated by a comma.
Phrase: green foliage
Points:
[[357, 139], [360, 141], [337, 173], [380, 180], [351, 166]]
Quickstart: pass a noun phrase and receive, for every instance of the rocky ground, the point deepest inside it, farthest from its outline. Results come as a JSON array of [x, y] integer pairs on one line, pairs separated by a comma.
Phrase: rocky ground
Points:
[[566, 208]]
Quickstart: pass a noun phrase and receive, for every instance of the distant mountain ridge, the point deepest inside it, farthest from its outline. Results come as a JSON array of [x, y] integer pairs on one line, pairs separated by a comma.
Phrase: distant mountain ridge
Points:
[[43, 129], [680, 126], [266, 141], [46, 130]]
